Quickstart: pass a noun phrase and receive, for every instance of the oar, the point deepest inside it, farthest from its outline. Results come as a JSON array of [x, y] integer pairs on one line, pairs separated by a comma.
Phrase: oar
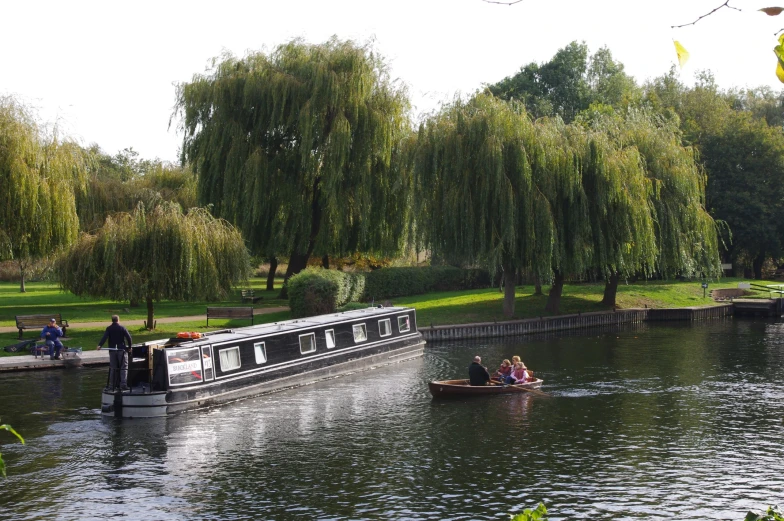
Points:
[[522, 389]]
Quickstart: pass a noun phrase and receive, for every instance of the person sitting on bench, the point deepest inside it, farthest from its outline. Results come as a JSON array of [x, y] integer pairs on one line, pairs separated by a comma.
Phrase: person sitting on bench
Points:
[[51, 334]]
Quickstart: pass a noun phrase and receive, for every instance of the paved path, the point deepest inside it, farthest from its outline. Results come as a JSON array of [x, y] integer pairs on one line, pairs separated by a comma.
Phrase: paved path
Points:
[[93, 357], [140, 322]]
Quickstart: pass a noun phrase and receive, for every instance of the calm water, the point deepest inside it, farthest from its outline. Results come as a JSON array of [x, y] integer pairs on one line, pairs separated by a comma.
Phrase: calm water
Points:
[[663, 422]]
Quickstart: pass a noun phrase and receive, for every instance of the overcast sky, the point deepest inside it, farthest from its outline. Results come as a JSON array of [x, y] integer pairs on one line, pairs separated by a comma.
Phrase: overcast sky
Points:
[[106, 71]]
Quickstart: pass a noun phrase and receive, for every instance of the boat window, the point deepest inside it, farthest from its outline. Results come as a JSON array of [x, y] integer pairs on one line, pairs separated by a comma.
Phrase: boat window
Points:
[[307, 343], [384, 327], [230, 359], [403, 324], [261, 352], [330, 335], [184, 366], [206, 360], [360, 332]]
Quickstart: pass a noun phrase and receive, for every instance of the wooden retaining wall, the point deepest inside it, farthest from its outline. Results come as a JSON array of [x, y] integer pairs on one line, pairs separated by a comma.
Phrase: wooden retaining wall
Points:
[[564, 322]]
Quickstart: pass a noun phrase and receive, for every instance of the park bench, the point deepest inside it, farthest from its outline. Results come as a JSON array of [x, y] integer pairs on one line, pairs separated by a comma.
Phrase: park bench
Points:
[[224, 312], [247, 294], [38, 322]]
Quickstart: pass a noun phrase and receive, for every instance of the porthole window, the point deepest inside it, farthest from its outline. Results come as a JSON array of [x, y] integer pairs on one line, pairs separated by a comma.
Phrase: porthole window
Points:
[[360, 332], [384, 327], [330, 336], [230, 359], [307, 343], [403, 324]]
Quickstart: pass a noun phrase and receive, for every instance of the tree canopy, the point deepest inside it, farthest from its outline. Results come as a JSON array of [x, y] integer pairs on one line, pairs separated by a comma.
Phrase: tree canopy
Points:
[[297, 148], [157, 254], [40, 175]]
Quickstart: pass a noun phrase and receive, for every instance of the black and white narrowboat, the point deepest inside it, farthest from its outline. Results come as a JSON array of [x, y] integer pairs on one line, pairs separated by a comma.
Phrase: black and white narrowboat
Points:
[[174, 375]]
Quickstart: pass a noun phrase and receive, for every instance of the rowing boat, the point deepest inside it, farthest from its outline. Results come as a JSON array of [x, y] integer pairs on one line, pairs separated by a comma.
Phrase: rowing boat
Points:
[[457, 388]]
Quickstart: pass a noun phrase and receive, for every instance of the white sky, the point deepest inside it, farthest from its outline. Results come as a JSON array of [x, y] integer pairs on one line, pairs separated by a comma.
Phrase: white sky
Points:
[[106, 70]]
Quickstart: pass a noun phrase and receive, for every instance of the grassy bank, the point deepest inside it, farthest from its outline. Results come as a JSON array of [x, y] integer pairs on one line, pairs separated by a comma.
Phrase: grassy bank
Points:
[[483, 305]]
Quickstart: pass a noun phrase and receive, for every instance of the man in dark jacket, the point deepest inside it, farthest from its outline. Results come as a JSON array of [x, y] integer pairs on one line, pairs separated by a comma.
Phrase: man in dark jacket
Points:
[[477, 373], [118, 353]]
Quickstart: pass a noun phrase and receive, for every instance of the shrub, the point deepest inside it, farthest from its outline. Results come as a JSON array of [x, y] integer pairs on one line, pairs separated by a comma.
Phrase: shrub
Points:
[[398, 282], [316, 291]]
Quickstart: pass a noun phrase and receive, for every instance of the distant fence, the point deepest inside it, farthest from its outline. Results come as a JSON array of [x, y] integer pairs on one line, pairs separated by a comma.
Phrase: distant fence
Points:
[[578, 321]]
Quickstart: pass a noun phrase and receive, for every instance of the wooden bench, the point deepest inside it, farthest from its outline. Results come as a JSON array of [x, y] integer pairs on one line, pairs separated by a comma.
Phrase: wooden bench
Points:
[[39, 321], [247, 294], [242, 312]]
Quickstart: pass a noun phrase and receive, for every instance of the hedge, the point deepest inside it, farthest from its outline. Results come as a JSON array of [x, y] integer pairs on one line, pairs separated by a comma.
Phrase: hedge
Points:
[[316, 291], [401, 282]]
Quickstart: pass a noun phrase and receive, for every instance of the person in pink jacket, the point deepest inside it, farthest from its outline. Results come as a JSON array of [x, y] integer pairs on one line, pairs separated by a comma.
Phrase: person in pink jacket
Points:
[[519, 374]]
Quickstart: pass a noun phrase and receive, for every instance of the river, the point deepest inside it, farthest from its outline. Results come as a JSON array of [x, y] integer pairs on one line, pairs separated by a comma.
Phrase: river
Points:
[[665, 421]]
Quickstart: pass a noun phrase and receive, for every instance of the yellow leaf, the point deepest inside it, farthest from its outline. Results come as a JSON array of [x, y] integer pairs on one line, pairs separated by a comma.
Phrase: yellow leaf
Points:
[[683, 54], [780, 72], [772, 11]]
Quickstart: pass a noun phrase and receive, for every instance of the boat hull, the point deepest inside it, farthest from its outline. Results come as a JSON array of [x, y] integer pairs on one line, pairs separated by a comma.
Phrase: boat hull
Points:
[[461, 388], [141, 403]]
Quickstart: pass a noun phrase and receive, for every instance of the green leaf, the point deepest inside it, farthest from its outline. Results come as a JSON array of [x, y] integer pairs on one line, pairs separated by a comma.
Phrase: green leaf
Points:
[[12, 431]]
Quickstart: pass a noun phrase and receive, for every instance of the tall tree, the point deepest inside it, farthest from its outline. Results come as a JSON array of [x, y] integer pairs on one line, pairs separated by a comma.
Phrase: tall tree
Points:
[[483, 189], [155, 255], [39, 175], [296, 148], [746, 162], [571, 82], [119, 183]]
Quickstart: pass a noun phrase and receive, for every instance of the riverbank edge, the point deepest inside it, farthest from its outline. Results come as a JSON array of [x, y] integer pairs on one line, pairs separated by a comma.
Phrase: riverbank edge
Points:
[[452, 332], [567, 322]]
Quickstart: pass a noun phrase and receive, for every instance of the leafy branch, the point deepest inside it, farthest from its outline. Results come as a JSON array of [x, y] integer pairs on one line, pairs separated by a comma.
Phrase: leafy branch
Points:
[[12, 431]]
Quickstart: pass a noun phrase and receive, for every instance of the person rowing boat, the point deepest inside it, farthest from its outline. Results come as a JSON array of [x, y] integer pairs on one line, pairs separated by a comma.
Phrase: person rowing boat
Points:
[[477, 373]]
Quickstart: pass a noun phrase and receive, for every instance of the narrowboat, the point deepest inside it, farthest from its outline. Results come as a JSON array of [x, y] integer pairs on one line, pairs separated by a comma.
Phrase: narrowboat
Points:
[[173, 375]]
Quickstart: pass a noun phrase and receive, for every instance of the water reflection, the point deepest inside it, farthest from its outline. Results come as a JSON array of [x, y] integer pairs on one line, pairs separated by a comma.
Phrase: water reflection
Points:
[[674, 421]]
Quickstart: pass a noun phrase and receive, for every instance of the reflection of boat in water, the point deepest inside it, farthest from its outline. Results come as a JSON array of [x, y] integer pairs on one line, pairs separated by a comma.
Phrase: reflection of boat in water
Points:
[[173, 375], [460, 388]]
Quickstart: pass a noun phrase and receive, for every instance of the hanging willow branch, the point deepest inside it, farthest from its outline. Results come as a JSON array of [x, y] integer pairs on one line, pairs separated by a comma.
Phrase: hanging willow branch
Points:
[[39, 175], [155, 255], [297, 148]]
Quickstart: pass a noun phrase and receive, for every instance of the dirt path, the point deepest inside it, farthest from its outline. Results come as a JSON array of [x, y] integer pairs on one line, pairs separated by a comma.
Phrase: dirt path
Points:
[[140, 322]]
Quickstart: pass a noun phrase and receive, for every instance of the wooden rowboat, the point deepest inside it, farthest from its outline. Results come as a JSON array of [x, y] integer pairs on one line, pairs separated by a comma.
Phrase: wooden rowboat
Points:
[[458, 388]]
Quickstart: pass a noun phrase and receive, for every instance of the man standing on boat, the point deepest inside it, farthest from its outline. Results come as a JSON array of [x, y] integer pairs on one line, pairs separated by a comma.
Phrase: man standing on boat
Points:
[[477, 373], [118, 353]]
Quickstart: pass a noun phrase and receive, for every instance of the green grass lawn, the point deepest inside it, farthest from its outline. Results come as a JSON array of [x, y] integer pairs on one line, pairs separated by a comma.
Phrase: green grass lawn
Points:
[[459, 307], [43, 297]]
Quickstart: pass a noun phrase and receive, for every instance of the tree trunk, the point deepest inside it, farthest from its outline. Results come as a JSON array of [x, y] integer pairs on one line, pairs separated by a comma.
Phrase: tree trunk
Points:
[[554, 298], [299, 261], [325, 262], [537, 285], [22, 267], [271, 275], [611, 289], [150, 315], [756, 264], [509, 290]]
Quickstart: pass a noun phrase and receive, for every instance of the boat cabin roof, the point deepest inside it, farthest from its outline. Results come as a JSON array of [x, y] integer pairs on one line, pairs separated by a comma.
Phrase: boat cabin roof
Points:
[[241, 333]]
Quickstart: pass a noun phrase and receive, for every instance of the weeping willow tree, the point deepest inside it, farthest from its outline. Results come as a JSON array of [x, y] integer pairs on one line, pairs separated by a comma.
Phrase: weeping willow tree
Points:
[[686, 234], [483, 189], [620, 215], [296, 148], [157, 254], [39, 175]]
